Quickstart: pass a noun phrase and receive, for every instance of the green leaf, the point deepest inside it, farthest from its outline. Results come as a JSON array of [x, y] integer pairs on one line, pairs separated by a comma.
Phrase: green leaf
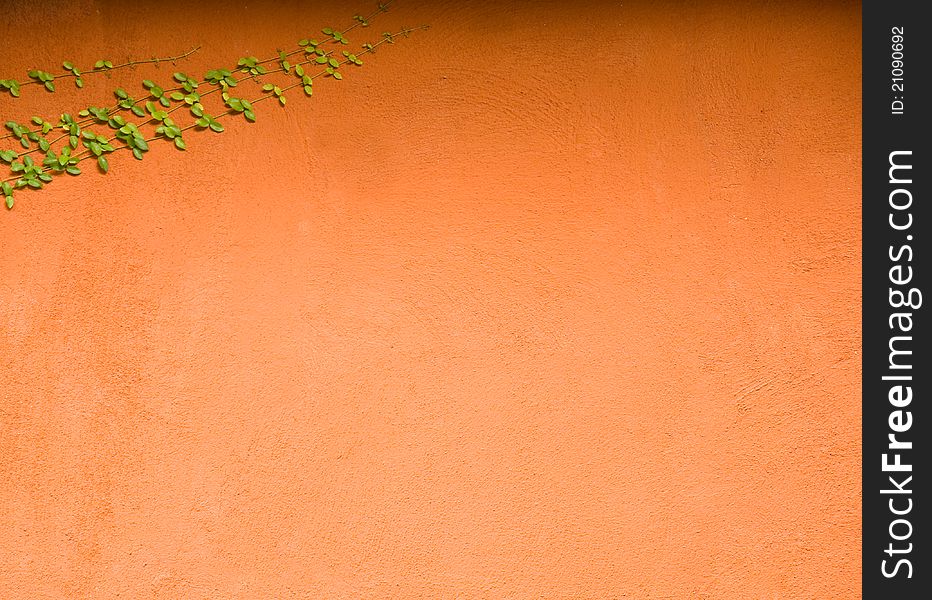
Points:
[[50, 86], [250, 116], [103, 164], [281, 100], [73, 170], [79, 82], [9, 201], [337, 75], [179, 143], [99, 64], [308, 90], [215, 126], [137, 153]]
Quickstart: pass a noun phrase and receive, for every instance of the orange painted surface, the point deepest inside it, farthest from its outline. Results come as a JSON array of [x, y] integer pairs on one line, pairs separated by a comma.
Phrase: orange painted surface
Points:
[[556, 300]]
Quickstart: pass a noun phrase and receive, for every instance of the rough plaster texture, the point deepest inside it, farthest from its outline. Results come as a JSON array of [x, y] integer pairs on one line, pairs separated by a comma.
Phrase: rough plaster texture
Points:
[[558, 300]]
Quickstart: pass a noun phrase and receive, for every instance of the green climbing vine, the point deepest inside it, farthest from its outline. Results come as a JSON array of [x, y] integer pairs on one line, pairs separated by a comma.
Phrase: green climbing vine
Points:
[[45, 149]]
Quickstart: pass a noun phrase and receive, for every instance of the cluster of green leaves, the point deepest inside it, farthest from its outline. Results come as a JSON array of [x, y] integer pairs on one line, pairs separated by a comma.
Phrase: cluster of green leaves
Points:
[[26, 135], [157, 93], [154, 110], [43, 77], [204, 120], [251, 65], [222, 77], [69, 67], [127, 102], [276, 91], [188, 90], [335, 35], [241, 105], [10, 85]]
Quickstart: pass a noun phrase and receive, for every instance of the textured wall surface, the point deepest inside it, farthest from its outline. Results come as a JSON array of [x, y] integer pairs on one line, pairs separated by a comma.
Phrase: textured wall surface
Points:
[[554, 300]]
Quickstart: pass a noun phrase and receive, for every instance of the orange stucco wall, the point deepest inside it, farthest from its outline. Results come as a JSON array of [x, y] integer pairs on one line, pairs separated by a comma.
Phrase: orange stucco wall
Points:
[[556, 300]]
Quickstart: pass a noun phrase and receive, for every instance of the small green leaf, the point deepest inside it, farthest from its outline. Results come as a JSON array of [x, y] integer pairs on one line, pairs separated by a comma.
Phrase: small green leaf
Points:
[[9, 201], [179, 143], [103, 163], [250, 116], [79, 82], [73, 170]]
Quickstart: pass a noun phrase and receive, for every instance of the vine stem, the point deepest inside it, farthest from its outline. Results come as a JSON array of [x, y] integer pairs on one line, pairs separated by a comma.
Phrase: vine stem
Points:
[[131, 63]]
